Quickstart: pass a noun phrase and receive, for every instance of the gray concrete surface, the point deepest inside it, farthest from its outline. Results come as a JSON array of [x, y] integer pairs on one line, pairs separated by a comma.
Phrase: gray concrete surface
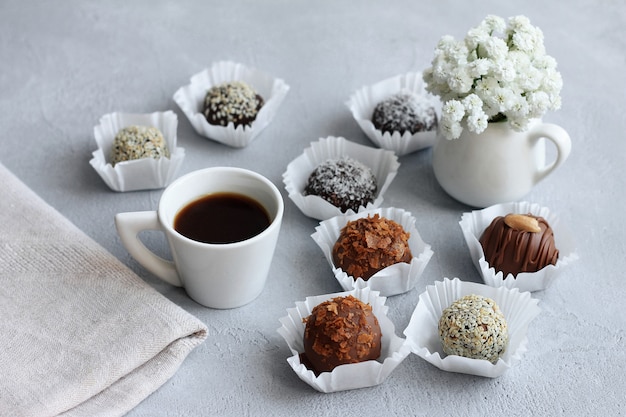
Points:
[[64, 64]]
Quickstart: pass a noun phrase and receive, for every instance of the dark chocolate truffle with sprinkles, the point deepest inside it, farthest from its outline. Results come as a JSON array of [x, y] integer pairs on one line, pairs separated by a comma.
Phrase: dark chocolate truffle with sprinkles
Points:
[[404, 112], [344, 182], [234, 102]]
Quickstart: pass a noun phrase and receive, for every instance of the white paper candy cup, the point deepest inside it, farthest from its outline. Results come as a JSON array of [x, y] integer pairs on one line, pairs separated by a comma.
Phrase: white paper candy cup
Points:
[[138, 174], [190, 99], [393, 280], [473, 225], [350, 376], [422, 333], [384, 165], [363, 102]]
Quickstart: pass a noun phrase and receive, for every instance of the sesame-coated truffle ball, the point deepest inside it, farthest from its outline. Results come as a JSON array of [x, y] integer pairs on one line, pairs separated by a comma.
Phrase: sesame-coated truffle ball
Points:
[[232, 102], [474, 327], [137, 142]]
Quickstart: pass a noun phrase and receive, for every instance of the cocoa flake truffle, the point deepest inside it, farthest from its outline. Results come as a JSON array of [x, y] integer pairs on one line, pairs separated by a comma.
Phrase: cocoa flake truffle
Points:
[[136, 142], [235, 102], [344, 182], [474, 327], [519, 243], [340, 331], [367, 245], [404, 112]]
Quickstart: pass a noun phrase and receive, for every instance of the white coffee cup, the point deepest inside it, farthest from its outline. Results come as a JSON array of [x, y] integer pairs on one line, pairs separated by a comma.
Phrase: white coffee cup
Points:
[[225, 275]]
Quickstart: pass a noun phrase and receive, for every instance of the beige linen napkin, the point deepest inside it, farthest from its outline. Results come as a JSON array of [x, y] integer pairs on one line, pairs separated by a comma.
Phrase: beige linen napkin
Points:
[[80, 333]]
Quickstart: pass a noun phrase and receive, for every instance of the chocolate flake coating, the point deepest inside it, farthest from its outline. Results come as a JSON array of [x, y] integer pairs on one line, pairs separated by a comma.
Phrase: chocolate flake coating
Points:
[[404, 112], [235, 102], [474, 327], [340, 331], [344, 182], [367, 245], [513, 251]]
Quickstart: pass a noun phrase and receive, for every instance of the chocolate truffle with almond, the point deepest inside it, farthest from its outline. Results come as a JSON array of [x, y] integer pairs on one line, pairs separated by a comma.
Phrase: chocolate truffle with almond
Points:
[[519, 243], [340, 331], [369, 244]]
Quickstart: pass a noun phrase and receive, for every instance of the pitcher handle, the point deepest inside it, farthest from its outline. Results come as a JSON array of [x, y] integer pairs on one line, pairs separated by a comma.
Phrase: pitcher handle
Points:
[[557, 135], [128, 226]]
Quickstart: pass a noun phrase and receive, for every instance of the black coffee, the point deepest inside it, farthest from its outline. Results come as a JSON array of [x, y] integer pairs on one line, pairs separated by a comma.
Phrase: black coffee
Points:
[[221, 218]]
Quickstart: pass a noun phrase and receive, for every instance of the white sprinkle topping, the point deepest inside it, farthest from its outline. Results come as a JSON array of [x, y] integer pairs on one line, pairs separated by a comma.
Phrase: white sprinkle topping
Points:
[[404, 112]]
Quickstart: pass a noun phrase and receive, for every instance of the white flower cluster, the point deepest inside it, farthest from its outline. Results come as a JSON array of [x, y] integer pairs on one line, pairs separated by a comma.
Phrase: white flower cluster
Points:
[[499, 71]]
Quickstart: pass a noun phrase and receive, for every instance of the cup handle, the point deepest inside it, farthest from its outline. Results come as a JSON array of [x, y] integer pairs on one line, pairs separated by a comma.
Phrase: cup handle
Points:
[[557, 135], [128, 226]]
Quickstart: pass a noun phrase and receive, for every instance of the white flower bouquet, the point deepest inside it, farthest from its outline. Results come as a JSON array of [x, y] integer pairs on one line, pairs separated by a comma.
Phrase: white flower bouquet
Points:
[[499, 72]]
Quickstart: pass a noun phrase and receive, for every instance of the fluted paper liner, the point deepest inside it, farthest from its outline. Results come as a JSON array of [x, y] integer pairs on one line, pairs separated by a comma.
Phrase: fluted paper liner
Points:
[[392, 280], [473, 225], [384, 165], [350, 376], [138, 174], [190, 99], [363, 102], [519, 309]]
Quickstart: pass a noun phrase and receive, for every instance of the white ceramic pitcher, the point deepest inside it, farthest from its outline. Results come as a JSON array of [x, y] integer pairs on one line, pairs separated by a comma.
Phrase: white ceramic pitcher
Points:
[[498, 165]]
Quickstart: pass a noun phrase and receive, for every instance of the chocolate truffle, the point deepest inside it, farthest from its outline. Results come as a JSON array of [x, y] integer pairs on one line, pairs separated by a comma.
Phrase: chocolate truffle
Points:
[[474, 327], [404, 112], [343, 182], [367, 245], [137, 142], [340, 331], [519, 243], [235, 102]]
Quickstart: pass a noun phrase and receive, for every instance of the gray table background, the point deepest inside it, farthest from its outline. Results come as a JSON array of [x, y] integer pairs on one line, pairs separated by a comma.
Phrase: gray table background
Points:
[[64, 64]]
